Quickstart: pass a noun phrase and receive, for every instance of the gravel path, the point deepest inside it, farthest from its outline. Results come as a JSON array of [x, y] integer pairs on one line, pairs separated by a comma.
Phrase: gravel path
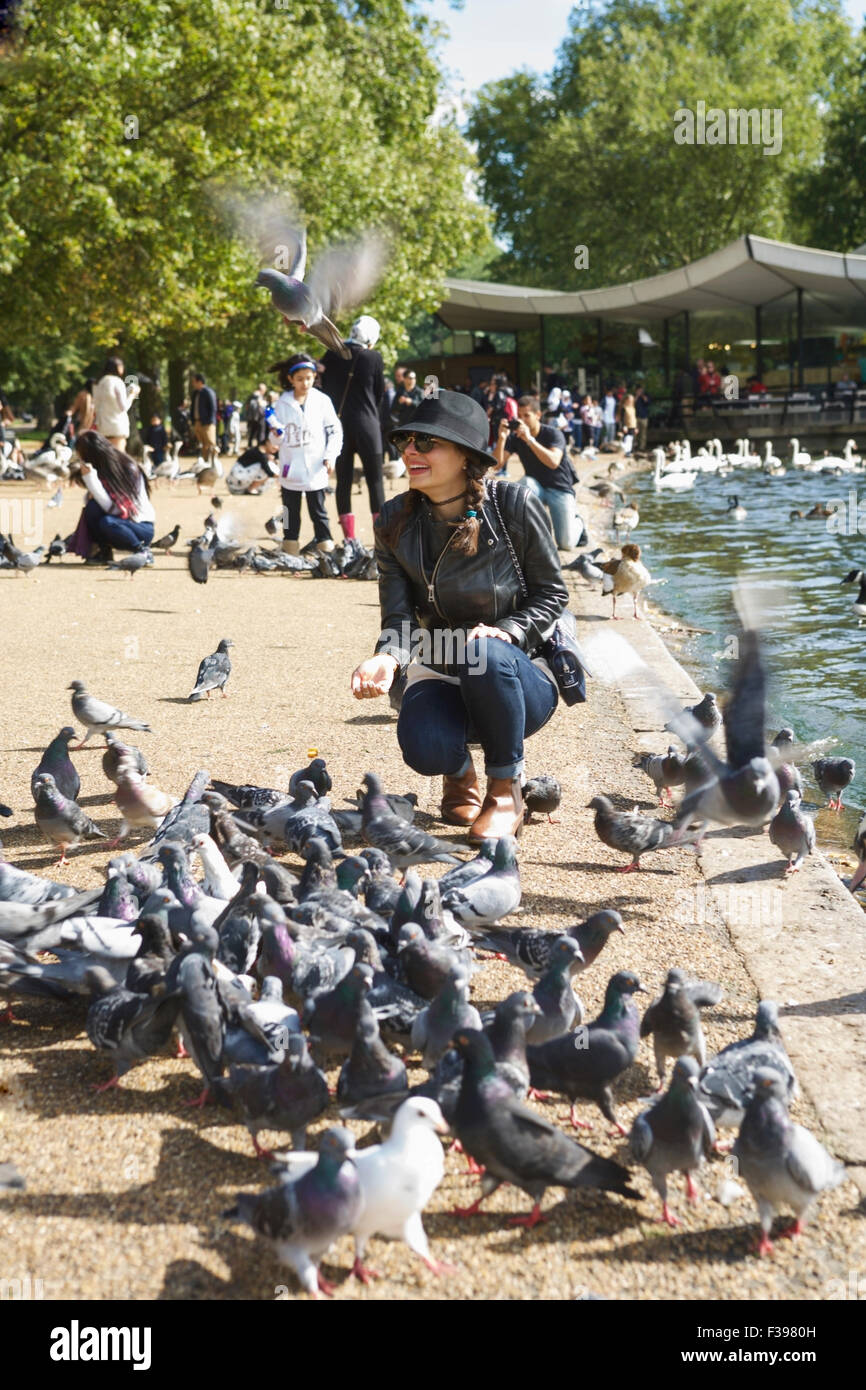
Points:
[[125, 1189]]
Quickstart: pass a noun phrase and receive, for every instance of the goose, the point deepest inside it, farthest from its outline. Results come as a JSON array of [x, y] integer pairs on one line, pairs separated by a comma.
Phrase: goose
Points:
[[170, 466], [799, 459], [772, 464], [677, 481], [859, 605], [626, 519], [735, 510]]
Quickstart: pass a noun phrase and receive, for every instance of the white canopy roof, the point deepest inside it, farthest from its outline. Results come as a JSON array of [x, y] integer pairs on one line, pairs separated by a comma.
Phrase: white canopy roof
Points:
[[750, 271]]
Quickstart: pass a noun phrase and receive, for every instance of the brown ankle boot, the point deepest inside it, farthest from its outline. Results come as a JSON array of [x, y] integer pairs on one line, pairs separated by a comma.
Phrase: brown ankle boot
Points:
[[461, 798], [502, 812]]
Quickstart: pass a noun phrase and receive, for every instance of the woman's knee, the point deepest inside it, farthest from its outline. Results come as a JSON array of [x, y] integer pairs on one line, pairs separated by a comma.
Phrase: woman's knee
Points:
[[432, 739]]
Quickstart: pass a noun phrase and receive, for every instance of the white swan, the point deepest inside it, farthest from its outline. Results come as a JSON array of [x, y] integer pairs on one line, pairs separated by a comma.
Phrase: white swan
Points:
[[750, 460], [773, 465], [799, 459], [846, 464], [677, 479]]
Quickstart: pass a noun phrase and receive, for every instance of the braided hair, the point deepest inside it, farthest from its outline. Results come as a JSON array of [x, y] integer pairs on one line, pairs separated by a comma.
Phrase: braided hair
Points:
[[466, 528]]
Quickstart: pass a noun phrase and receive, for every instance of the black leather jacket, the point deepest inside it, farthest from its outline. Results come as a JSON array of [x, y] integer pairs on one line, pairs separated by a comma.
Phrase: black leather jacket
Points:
[[463, 590]]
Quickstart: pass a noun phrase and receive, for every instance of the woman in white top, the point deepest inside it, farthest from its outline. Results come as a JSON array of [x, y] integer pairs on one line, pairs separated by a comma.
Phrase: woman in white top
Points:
[[309, 445], [111, 402], [119, 513]]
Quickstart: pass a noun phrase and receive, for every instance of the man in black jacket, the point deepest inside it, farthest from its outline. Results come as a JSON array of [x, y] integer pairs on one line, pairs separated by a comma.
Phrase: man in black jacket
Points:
[[203, 412], [356, 387]]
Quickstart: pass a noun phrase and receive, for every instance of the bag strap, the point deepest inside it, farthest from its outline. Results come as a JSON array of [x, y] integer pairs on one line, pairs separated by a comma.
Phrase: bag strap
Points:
[[346, 387], [492, 490]]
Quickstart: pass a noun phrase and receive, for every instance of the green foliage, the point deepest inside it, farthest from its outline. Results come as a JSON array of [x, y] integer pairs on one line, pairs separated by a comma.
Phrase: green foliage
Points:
[[588, 157], [119, 124]]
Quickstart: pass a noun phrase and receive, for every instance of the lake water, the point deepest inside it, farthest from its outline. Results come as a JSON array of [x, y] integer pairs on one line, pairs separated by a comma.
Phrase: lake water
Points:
[[814, 648]]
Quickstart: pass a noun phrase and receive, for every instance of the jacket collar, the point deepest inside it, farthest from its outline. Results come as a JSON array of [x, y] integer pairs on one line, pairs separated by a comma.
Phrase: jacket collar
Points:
[[488, 529]]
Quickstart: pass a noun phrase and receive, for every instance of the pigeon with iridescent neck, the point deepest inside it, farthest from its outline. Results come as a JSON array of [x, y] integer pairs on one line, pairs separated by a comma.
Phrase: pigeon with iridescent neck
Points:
[[675, 1135]]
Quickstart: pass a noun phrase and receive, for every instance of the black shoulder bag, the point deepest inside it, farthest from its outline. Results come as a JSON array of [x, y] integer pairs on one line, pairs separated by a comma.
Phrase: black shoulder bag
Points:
[[560, 648]]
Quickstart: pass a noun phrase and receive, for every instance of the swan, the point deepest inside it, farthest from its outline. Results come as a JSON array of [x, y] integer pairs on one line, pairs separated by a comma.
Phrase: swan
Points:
[[844, 464], [773, 465], [749, 460], [799, 459], [674, 480]]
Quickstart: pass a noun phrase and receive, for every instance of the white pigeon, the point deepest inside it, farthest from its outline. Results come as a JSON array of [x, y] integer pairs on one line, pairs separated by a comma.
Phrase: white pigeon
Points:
[[398, 1178], [218, 881]]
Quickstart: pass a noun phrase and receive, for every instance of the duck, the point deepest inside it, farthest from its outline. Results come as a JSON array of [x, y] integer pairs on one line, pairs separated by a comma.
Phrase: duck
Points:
[[627, 575], [675, 479], [773, 465], [821, 510], [859, 605], [799, 459], [735, 510]]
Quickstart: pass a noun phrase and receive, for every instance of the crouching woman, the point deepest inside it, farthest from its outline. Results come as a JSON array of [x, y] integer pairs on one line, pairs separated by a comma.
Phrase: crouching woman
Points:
[[457, 626]]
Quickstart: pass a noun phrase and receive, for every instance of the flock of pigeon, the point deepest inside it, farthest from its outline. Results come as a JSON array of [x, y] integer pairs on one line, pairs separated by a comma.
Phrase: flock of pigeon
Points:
[[264, 976]]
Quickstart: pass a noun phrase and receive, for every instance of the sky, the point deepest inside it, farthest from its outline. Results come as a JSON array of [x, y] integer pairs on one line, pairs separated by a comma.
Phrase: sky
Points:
[[491, 38]]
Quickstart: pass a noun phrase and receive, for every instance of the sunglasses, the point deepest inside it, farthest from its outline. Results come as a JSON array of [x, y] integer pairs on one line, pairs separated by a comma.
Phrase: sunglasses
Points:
[[423, 442]]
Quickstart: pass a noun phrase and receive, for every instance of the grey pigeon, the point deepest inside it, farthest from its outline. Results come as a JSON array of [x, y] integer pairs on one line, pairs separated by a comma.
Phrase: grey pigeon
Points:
[[61, 820], [675, 1135], [706, 714], [435, 1026], [117, 752], [529, 947], [56, 550], [247, 796], [424, 965], [370, 1069], [728, 1078], [58, 764], [315, 772], [238, 924], [146, 972], [833, 775], [131, 564], [584, 563], [792, 831], [343, 276], [471, 870], [188, 818], [213, 672], [513, 1143], [305, 1218], [673, 1020], [203, 1023], [201, 557], [19, 886], [561, 1010], [745, 789], [629, 832], [486, 900], [286, 1097], [583, 1065], [404, 844], [36, 926], [782, 1163], [541, 796], [402, 1004], [97, 716], [128, 1026], [665, 770], [331, 1017], [165, 543]]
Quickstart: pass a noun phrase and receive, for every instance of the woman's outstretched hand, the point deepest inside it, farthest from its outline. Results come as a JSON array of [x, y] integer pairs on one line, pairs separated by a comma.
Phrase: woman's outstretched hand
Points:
[[373, 677], [482, 630]]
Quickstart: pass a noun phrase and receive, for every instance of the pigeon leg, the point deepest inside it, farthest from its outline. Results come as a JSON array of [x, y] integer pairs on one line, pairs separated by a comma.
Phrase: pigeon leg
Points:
[[326, 1288], [440, 1267], [633, 867], [764, 1245], [532, 1094], [493, 955], [86, 737], [533, 1219], [636, 613], [260, 1152], [200, 1100], [666, 1216], [691, 1190], [615, 618], [363, 1272], [7, 1015], [468, 1211], [551, 821], [107, 1085], [790, 1231], [181, 1050], [578, 1124], [471, 1164], [62, 861]]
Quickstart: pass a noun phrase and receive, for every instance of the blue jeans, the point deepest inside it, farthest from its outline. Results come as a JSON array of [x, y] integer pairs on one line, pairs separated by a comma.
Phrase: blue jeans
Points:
[[501, 700], [609, 431], [563, 512], [113, 531], [577, 433]]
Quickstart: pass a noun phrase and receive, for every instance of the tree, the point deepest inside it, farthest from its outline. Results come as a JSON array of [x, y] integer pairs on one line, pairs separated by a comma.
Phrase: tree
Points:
[[830, 200], [120, 125], [589, 155]]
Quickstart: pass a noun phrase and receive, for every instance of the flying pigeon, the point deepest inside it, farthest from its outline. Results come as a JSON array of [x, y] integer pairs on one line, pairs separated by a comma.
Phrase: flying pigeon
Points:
[[342, 277], [213, 672], [97, 716], [782, 1163]]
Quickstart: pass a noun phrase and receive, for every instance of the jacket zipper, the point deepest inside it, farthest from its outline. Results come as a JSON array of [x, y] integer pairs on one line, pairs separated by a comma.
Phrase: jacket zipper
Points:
[[431, 583]]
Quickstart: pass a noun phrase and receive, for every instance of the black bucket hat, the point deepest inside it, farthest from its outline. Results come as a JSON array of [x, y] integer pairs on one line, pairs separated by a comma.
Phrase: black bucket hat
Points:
[[453, 416]]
